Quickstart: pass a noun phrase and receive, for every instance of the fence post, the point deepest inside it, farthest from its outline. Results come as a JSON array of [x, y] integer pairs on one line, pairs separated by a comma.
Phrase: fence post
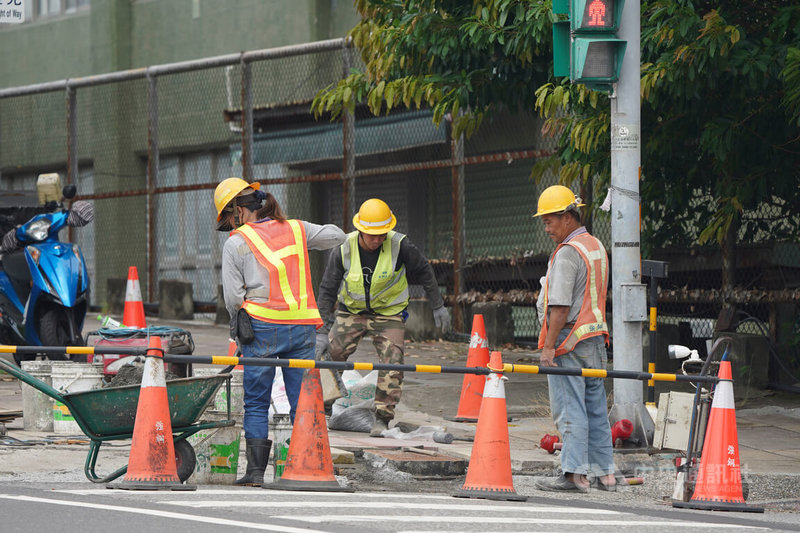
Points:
[[348, 152], [152, 180], [457, 155], [247, 121], [72, 136]]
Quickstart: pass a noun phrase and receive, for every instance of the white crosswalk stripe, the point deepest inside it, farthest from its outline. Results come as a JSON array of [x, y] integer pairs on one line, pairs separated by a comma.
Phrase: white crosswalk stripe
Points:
[[404, 511]]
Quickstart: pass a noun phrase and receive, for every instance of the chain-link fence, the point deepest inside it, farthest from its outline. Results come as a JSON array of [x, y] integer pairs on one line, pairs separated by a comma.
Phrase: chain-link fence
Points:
[[149, 146]]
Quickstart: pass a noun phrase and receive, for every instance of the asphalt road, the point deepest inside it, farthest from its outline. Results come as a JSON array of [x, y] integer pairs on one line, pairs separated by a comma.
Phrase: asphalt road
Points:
[[88, 509]]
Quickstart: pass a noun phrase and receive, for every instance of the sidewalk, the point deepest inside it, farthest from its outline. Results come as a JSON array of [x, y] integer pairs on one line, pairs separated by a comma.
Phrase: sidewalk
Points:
[[768, 429]]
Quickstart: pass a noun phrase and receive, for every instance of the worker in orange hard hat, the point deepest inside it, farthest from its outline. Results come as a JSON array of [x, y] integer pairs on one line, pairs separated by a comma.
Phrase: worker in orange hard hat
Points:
[[369, 276], [268, 292], [572, 312]]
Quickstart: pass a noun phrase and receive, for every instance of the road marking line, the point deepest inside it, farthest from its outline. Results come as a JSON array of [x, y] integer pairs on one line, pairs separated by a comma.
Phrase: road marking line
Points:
[[260, 493], [511, 520], [455, 506], [163, 514]]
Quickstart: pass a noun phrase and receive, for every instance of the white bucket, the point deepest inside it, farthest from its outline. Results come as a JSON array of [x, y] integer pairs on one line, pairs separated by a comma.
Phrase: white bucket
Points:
[[280, 430], [220, 403], [69, 377], [217, 452], [37, 407]]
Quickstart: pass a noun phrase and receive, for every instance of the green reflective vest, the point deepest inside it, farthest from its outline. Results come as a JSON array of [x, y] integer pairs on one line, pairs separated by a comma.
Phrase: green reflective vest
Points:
[[388, 291]]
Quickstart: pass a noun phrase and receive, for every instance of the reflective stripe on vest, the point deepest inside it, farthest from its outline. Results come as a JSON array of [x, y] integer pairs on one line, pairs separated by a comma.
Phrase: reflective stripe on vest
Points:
[[388, 291], [591, 318], [291, 298]]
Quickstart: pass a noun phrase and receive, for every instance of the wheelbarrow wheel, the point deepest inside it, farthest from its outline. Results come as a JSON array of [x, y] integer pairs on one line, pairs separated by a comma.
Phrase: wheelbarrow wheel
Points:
[[185, 459]]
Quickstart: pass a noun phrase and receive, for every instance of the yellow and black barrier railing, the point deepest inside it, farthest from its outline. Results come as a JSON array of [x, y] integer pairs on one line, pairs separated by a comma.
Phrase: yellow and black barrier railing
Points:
[[436, 369], [347, 365], [74, 350]]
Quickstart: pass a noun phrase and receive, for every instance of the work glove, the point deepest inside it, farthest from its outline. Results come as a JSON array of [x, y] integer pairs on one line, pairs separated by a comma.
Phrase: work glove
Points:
[[322, 345], [441, 318]]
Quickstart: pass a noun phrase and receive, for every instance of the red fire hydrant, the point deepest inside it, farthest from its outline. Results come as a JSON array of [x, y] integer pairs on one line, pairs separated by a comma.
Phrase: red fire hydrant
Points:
[[621, 431], [548, 443]]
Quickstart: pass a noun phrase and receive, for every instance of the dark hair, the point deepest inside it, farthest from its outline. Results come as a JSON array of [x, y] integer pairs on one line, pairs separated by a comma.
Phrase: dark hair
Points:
[[575, 214], [271, 209]]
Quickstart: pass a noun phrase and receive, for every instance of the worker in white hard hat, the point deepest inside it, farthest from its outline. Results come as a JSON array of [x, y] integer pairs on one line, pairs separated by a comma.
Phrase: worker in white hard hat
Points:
[[572, 313], [268, 292], [366, 280]]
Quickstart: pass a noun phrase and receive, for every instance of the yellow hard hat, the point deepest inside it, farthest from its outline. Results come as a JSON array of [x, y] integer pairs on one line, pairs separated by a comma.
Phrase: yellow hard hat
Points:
[[374, 217], [557, 199], [228, 189]]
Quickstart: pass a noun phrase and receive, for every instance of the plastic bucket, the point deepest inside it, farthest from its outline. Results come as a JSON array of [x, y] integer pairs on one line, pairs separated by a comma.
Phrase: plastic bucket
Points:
[[68, 376], [219, 404], [280, 429], [217, 452], [37, 407]]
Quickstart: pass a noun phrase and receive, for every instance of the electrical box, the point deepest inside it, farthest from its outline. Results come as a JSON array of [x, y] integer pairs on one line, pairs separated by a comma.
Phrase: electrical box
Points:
[[673, 421], [634, 302]]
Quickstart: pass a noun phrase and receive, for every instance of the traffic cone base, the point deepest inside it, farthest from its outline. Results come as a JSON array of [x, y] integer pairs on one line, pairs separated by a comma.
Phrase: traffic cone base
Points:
[[151, 463], [309, 466], [489, 470], [469, 404], [719, 477]]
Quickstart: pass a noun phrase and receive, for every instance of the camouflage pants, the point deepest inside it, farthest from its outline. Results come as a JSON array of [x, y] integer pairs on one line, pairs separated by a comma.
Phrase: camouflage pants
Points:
[[387, 334]]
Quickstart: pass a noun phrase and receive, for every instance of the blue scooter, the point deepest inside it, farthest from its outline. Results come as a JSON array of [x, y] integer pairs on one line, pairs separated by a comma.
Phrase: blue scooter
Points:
[[44, 285]]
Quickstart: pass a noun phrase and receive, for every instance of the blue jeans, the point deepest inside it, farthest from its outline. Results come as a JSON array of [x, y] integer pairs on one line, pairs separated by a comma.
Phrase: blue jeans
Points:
[[282, 341], [579, 410]]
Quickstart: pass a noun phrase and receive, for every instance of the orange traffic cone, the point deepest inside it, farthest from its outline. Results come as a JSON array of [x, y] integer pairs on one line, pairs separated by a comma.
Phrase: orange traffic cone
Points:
[[489, 471], [719, 478], [133, 316], [151, 463], [309, 465], [469, 405]]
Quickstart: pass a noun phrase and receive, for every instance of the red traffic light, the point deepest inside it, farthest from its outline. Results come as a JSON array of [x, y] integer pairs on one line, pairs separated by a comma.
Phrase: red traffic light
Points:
[[598, 14]]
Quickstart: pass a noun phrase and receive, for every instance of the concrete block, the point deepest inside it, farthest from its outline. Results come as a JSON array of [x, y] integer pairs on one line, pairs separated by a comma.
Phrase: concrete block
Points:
[[498, 321], [419, 325], [115, 295], [223, 316], [175, 300]]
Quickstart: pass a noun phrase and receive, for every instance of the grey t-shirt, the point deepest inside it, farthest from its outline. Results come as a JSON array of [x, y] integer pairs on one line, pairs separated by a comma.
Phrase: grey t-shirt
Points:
[[242, 274], [566, 283]]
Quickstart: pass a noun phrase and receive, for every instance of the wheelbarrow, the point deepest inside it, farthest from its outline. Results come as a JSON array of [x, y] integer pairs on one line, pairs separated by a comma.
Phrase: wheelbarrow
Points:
[[108, 414]]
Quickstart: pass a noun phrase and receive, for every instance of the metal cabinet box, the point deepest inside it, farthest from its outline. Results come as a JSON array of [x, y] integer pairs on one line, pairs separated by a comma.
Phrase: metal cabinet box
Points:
[[673, 420]]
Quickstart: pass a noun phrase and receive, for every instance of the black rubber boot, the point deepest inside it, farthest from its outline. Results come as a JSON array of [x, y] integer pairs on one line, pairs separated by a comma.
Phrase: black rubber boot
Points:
[[257, 455]]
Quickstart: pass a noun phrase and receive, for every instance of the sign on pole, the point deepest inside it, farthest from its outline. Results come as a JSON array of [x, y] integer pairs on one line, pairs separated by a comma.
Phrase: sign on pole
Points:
[[12, 11]]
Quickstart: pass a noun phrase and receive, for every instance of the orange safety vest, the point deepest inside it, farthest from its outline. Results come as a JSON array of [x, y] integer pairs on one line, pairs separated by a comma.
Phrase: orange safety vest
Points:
[[281, 249], [591, 320]]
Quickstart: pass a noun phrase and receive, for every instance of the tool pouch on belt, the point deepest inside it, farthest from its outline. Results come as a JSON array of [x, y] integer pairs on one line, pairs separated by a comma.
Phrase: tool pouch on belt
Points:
[[244, 328]]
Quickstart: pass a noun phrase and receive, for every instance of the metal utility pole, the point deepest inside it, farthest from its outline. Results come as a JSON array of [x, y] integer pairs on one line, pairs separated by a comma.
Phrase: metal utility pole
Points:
[[629, 294]]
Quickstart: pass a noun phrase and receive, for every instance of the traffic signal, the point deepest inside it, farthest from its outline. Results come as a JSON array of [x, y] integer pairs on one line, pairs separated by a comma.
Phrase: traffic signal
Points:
[[585, 47]]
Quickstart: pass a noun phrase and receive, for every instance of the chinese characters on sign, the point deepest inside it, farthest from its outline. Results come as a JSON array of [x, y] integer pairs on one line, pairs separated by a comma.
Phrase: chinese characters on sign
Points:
[[12, 11]]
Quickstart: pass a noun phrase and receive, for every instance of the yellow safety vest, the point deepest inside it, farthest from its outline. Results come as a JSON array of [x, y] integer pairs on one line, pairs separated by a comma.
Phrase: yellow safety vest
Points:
[[388, 291]]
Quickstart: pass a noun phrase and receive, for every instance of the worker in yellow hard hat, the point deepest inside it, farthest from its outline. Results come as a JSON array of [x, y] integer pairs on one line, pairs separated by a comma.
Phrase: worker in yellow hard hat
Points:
[[369, 275], [267, 286], [572, 313]]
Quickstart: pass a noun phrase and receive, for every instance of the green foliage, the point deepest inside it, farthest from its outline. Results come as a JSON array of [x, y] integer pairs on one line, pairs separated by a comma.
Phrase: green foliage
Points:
[[457, 58], [720, 88]]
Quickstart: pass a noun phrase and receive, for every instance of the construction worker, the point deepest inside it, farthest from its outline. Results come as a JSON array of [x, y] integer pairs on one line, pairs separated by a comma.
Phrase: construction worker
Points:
[[369, 275], [572, 313], [268, 293]]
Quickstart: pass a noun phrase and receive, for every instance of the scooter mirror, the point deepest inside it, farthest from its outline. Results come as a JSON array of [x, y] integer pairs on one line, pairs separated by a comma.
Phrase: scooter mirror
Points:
[[69, 191]]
